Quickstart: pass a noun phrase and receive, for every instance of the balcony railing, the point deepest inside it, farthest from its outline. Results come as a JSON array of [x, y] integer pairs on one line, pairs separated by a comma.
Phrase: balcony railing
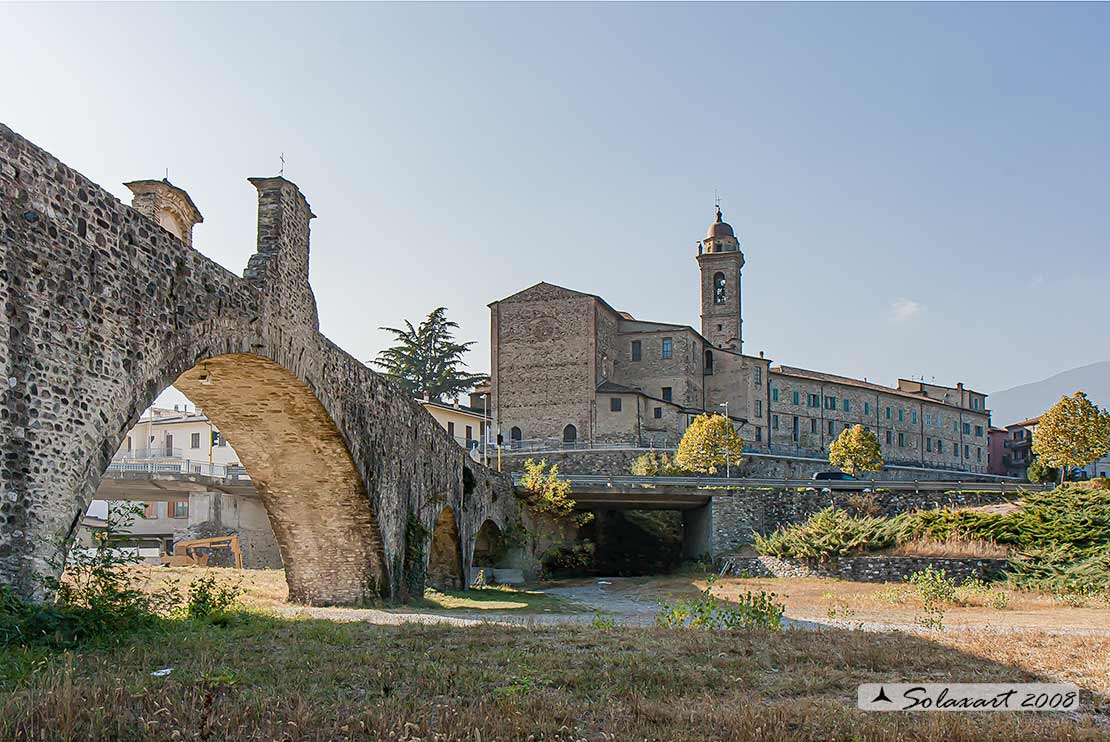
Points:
[[176, 465]]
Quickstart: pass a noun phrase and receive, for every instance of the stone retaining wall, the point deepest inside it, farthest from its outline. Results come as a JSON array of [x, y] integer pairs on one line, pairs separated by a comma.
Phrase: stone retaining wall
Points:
[[863, 568], [737, 513]]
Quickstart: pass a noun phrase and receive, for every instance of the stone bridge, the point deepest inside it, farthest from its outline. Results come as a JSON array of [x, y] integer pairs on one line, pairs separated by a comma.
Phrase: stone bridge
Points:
[[105, 305]]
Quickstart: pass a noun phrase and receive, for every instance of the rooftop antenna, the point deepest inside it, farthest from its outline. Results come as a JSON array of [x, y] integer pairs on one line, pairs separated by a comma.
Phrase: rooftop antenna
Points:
[[281, 172]]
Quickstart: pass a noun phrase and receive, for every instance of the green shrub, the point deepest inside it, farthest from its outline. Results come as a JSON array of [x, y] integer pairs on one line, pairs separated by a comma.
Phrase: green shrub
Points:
[[828, 534], [209, 599], [708, 612], [567, 560]]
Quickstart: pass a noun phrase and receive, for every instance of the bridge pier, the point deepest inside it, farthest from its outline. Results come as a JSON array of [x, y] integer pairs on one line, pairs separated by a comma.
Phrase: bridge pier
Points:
[[697, 532]]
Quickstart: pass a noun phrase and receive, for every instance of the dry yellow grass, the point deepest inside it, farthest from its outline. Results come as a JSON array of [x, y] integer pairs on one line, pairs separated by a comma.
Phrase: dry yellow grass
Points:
[[274, 679], [952, 548], [873, 603]]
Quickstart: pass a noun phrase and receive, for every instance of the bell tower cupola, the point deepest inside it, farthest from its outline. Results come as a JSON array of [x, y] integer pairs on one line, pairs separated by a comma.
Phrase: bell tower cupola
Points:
[[720, 261]]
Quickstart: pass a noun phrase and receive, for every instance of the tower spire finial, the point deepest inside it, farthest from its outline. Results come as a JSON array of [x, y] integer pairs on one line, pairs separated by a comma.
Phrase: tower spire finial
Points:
[[717, 203]]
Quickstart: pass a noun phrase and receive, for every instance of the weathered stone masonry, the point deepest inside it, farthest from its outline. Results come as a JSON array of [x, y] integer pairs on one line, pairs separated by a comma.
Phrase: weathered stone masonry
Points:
[[96, 295]]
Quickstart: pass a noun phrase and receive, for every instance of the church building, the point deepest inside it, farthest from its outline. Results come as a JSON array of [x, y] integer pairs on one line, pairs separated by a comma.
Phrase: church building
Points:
[[568, 370]]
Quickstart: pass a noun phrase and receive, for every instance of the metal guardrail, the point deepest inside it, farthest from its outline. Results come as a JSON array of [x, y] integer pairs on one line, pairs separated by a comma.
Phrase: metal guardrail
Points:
[[554, 445], [815, 484], [184, 466]]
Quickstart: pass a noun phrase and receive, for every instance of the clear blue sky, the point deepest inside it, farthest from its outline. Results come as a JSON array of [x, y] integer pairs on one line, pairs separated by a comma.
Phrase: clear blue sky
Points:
[[919, 189]]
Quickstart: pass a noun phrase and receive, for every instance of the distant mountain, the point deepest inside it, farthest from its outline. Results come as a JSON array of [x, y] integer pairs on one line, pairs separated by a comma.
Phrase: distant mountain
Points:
[[1030, 400]]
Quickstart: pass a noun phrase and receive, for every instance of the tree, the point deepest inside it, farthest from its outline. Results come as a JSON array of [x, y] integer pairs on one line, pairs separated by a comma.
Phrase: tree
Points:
[[427, 360], [543, 491], [1074, 432], [656, 464], [704, 445], [1038, 472], [857, 449]]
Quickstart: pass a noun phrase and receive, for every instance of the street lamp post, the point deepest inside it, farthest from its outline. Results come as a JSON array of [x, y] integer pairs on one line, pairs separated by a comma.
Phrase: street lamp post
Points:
[[728, 469]]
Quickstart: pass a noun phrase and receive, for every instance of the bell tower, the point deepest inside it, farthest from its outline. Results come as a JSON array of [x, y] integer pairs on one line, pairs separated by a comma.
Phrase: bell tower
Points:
[[720, 261]]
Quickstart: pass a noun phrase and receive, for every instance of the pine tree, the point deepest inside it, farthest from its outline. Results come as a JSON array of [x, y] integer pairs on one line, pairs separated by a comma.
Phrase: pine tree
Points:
[[427, 359]]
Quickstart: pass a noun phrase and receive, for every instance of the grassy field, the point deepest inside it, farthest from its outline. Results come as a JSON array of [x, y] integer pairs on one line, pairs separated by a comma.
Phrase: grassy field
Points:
[[263, 677], [268, 675], [267, 589], [819, 599]]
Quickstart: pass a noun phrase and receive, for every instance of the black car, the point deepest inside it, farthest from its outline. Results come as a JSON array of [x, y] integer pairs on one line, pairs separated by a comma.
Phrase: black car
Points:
[[836, 476]]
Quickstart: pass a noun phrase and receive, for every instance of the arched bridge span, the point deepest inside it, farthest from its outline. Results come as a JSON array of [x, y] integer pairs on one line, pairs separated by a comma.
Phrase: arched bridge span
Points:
[[103, 308]]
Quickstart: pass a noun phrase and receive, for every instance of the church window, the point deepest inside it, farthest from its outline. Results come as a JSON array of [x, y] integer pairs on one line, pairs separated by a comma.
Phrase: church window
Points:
[[709, 362], [667, 345], [667, 394], [515, 434], [615, 404], [636, 350], [658, 413], [720, 293]]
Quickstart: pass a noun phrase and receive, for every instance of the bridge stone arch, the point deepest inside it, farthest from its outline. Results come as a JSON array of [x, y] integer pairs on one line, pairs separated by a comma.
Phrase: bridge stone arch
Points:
[[103, 308]]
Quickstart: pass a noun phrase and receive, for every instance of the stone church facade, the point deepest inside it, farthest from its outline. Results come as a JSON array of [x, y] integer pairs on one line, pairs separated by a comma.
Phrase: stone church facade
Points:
[[568, 370]]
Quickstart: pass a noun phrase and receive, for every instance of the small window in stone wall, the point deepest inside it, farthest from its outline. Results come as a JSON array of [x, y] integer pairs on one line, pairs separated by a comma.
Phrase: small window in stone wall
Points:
[[758, 434], [667, 394], [758, 375], [901, 440], [637, 349], [668, 345], [615, 404], [774, 422], [813, 426], [889, 437], [658, 413]]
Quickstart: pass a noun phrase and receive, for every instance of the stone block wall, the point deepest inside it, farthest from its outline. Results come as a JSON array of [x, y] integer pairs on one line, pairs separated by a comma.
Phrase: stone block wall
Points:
[[736, 514], [864, 568]]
